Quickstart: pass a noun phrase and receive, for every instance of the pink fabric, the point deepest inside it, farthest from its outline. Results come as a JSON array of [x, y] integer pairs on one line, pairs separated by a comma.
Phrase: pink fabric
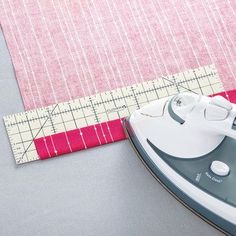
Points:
[[63, 49]]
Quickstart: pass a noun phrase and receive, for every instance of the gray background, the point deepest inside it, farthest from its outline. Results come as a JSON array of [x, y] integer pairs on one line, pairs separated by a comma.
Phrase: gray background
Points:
[[101, 191]]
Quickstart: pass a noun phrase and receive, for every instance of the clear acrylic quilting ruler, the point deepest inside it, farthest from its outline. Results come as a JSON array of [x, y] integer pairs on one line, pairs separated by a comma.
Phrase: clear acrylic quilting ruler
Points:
[[96, 120]]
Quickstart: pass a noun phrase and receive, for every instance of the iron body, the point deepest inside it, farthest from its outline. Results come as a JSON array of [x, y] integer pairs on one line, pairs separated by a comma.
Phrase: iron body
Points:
[[189, 172]]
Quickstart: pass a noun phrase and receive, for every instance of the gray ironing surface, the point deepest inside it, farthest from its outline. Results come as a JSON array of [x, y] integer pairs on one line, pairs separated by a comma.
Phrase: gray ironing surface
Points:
[[101, 191]]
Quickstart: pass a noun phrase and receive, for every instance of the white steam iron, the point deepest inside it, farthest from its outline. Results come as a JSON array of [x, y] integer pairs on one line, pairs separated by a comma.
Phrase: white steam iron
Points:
[[188, 143]]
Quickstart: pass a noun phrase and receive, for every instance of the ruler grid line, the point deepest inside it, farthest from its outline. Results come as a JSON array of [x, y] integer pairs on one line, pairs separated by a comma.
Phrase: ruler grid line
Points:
[[18, 128]]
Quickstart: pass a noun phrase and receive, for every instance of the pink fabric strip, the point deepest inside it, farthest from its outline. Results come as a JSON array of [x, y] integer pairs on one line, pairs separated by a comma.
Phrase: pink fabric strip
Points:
[[79, 139], [67, 49], [71, 141]]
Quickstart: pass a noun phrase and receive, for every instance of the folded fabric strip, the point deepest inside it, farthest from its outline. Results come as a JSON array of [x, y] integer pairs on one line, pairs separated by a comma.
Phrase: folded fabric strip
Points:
[[72, 141]]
